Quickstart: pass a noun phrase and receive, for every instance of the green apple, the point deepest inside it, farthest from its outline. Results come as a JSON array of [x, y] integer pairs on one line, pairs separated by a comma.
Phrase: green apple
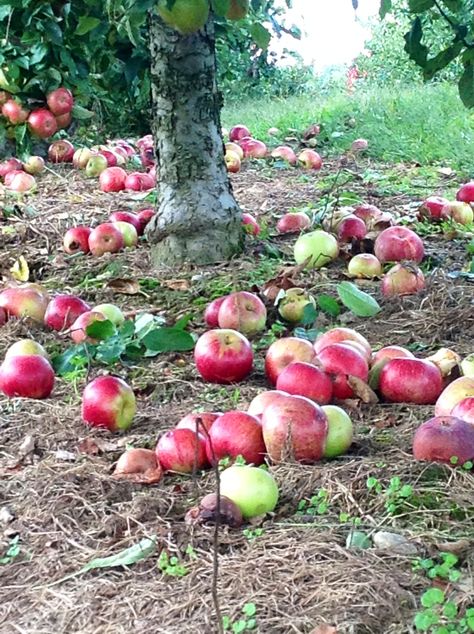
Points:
[[340, 431], [130, 235], [318, 247], [467, 366], [111, 312], [252, 489], [26, 347], [96, 165], [291, 306]]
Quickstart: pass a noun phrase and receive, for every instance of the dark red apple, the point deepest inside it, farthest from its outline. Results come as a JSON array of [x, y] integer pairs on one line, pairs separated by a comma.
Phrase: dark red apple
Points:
[[223, 356], [29, 376], [181, 450], [144, 216], [42, 123], [465, 193], [236, 433], [305, 379], [77, 239], [61, 151], [211, 313], [60, 101], [63, 310], [238, 132], [445, 439], [410, 381], [285, 351], [340, 361]]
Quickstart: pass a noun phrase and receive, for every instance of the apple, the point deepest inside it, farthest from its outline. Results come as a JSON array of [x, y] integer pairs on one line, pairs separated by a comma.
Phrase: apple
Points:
[[96, 165], [252, 489], [262, 400], [305, 379], [340, 431], [453, 394], [237, 10], [250, 225], [341, 361], [364, 265], [34, 165], [147, 181], [28, 376], [234, 147], [211, 314], [24, 301], [467, 366], [459, 212], [223, 356], [341, 335], [318, 248], [236, 433], [10, 165], [244, 312], [443, 439], [64, 120], [144, 216], [238, 132], [112, 179], [405, 380], [129, 233], [465, 410], [286, 153], [310, 159], [351, 228], [11, 175], [42, 123], [78, 328], [105, 238], [284, 351], [402, 280], [292, 305], [110, 157], [370, 214], [432, 208], [398, 243], [293, 222], [77, 239], [111, 312], [198, 422], [126, 216], [133, 182], [297, 425], [14, 112], [392, 352], [359, 145], [26, 347], [465, 193], [186, 16], [61, 151], [60, 101], [446, 360], [254, 148], [108, 402], [63, 310], [181, 450], [20, 182], [232, 162]]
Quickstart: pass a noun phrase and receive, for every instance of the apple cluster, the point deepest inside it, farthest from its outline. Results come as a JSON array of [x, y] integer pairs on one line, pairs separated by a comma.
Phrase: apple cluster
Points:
[[438, 208]]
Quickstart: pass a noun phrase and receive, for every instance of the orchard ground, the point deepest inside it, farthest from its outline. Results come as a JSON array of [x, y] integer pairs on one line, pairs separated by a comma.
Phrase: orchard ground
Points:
[[293, 570]]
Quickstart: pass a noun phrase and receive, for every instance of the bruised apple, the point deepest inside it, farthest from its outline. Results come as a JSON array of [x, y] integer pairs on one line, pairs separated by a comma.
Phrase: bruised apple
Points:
[[444, 439], [138, 465], [341, 361]]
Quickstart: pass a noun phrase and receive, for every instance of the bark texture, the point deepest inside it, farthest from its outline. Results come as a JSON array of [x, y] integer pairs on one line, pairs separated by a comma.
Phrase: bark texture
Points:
[[198, 219]]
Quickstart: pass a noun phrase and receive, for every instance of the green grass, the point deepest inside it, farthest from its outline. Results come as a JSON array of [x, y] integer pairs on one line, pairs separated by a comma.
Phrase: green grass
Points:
[[425, 124]]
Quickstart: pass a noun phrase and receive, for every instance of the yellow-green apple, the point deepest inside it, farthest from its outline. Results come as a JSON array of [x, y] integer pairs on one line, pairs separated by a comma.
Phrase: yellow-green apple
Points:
[[127, 216], [391, 352], [453, 394], [293, 222], [10, 165], [211, 314], [340, 335], [364, 265], [251, 226], [252, 489], [234, 147], [42, 123], [402, 279], [223, 356], [81, 157], [108, 402], [186, 16], [110, 312], [26, 347], [305, 379], [20, 182], [351, 227], [316, 248], [465, 409], [138, 465], [61, 151], [286, 153], [410, 381], [105, 238], [310, 159], [96, 165], [459, 212], [262, 400], [341, 361], [129, 233], [340, 431], [63, 310], [60, 101], [292, 305], [398, 243], [181, 450], [243, 311], [79, 327], [144, 216], [34, 165], [444, 439], [432, 208], [29, 376], [296, 425], [233, 434], [237, 10], [112, 179], [77, 239], [24, 301], [284, 351], [465, 193], [467, 366], [200, 422], [238, 132], [232, 162]]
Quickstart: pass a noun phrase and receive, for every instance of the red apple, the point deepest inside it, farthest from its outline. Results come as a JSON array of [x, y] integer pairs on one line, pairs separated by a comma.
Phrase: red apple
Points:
[[108, 402], [445, 439], [223, 356], [392, 352], [126, 216], [262, 400], [28, 376], [402, 280], [351, 227], [144, 216], [198, 421], [211, 313], [310, 159], [133, 182], [10, 165], [112, 179], [286, 153], [77, 239], [238, 132], [63, 310], [78, 328], [14, 112], [236, 433], [453, 394], [340, 361], [304, 379], [105, 238], [42, 123], [255, 149], [60, 101], [398, 243], [285, 351], [432, 208], [459, 212], [364, 265], [341, 335], [24, 301], [20, 182], [465, 410], [297, 425], [64, 120], [293, 222], [109, 156], [359, 145], [181, 450], [465, 193], [251, 226], [147, 181], [244, 312], [405, 380], [34, 165], [61, 151]]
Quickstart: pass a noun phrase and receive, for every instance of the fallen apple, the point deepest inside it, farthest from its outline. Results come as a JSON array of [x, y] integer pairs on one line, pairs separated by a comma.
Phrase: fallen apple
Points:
[[27, 376], [340, 431], [252, 489], [233, 434], [444, 439], [109, 402], [223, 356], [181, 450], [316, 248], [405, 380], [305, 379]]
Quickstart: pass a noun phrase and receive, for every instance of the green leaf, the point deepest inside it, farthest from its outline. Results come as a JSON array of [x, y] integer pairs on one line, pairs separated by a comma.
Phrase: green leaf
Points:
[[424, 620], [249, 609], [431, 597], [220, 7], [309, 315], [260, 35], [78, 112], [328, 305], [85, 24], [385, 7], [183, 322], [418, 6], [450, 610], [440, 61], [466, 85], [360, 303], [167, 340], [101, 329], [72, 359], [358, 539], [413, 46]]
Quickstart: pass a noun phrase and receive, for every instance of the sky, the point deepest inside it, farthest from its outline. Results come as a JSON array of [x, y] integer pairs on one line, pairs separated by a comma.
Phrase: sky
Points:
[[335, 33]]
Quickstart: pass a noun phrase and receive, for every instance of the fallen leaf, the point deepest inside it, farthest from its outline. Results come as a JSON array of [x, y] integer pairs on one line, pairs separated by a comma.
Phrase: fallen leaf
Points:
[[177, 285], [27, 446], [362, 390], [124, 286], [456, 548], [20, 270], [95, 446]]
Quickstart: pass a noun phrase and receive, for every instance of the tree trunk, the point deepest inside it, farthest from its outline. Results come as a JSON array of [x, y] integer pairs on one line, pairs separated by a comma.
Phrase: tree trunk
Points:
[[198, 219]]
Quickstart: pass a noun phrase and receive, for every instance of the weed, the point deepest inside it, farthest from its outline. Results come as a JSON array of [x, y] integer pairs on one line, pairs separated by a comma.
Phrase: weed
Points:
[[318, 504], [12, 551], [252, 534], [245, 624], [171, 566], [397, 495]]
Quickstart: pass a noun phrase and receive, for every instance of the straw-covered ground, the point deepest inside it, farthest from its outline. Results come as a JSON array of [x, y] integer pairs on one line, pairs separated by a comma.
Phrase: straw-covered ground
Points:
[[293, 571]]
